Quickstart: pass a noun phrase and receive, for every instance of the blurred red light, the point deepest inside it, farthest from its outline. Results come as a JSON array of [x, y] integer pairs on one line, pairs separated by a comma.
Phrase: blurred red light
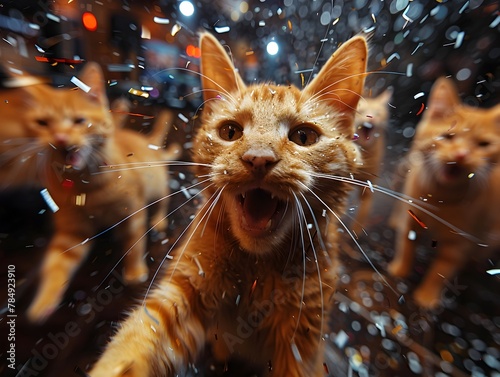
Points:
[[89, 21]]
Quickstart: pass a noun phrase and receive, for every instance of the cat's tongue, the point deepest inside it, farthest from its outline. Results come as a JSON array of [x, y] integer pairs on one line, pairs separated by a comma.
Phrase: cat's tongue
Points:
[[258, 209], [75, 159]]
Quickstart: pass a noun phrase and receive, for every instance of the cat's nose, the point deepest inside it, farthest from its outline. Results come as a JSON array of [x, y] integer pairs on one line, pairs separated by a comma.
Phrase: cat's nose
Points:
[[259, 160], [61, 140]]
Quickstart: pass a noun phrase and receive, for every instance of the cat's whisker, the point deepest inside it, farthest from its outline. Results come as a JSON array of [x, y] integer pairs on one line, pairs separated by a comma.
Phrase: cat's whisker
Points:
[[351, 235], [407, 200], [143, 165], [301, 229], [136, 212], [184, 231], [313, 249], [153, 226]]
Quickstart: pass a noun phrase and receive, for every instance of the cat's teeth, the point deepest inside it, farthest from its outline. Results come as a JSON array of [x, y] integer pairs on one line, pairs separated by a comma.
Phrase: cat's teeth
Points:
[[272, 196], [243, 195], [268, 225]]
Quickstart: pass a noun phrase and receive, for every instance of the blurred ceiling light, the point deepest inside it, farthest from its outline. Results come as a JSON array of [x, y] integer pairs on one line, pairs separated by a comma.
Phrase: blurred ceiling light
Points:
[[186, 8], [272, 48], [163, 21]]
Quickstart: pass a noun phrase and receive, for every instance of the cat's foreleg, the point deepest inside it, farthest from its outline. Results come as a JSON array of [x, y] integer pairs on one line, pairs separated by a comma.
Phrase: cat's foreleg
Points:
[[300, 357], [160, 338], [402, 264], [135, 267], [450, 259], [365, 204], [66, 251]]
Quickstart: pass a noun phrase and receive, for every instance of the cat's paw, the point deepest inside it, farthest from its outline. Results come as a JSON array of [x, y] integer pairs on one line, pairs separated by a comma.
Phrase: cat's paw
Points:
[[398, 269], [138, 273], [40, 310], [120, 369], [427, 298]]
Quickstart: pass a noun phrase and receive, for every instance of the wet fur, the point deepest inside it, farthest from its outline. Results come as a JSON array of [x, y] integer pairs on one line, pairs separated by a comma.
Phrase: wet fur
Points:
[[65, 140], [251, 290], [453, 166]]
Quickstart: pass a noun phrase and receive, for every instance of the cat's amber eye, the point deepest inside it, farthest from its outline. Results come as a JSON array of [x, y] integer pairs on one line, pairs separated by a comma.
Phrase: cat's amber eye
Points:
[[79, 121], [483, 143], [304, 136], [42, 122], [448, 136], [230, 131]]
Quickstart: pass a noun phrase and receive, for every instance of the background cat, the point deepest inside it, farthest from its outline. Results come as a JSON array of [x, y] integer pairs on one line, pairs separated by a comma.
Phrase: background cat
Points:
[[251, 279], [66, 141], [370, 124], [454, 168]]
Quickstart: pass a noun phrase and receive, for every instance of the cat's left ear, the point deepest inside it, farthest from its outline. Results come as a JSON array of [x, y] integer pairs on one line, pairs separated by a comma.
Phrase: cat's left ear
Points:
[[219, 76], [340, 81], [386, 95], [93, 77]]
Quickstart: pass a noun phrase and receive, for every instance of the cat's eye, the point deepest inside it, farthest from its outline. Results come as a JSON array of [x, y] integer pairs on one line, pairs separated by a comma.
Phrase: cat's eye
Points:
[[230, 131], [42, 122], [448, 136], [483, 143], [79, 121], [304, 136]]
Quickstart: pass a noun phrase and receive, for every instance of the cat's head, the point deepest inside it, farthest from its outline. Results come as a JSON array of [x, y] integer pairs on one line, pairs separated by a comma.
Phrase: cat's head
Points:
[[372, 117], [68, 124], [274, 152], [458, 144]]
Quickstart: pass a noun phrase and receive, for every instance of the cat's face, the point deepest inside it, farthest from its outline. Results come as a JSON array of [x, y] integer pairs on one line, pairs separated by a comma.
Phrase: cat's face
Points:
[[68, 124], [270, 147], [372, 117], [459, 144]]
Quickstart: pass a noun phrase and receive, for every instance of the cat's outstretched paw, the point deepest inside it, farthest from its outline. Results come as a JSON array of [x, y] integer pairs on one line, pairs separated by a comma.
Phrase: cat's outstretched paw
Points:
[[426, 298], [120, 369], [398, 269], [136, 274], [40, 310]]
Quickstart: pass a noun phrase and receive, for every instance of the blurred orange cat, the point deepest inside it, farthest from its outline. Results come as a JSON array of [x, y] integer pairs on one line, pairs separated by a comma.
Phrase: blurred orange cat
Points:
[[454, 167], [66, 141], [370, 124]]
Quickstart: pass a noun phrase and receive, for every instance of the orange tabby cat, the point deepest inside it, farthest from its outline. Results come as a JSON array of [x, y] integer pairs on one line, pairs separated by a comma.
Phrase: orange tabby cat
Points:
[[66, 137], [370, 124], [252, 279], [454, 167]]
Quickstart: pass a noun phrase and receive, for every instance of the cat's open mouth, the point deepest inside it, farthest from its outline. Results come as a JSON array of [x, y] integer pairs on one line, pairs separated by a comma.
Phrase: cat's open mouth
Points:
[[76, 158], [452, 172], [261, 212], [366, 130]]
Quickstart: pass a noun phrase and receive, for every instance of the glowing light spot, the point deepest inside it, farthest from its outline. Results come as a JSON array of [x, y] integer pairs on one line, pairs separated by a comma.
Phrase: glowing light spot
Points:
[[272, 48], [186, 8], [89, 21]]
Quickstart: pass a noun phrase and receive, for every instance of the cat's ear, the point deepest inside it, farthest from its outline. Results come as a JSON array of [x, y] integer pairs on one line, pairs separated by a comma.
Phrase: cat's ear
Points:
[[442, 98], [218, 75], [93, 78], [386, 95], [340, 81]]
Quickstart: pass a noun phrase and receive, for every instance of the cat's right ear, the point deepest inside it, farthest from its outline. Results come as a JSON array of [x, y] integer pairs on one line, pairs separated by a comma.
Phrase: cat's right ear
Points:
[[219, 78], [442, 99]]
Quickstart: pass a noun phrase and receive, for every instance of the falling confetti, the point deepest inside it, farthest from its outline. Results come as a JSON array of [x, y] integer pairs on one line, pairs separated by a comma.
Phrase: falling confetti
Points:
[[80, 84], [414, 217], [48, 199]]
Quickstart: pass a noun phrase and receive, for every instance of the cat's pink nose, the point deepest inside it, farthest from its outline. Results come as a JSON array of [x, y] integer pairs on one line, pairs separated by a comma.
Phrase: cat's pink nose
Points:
[[259, 160], [61, 140]]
